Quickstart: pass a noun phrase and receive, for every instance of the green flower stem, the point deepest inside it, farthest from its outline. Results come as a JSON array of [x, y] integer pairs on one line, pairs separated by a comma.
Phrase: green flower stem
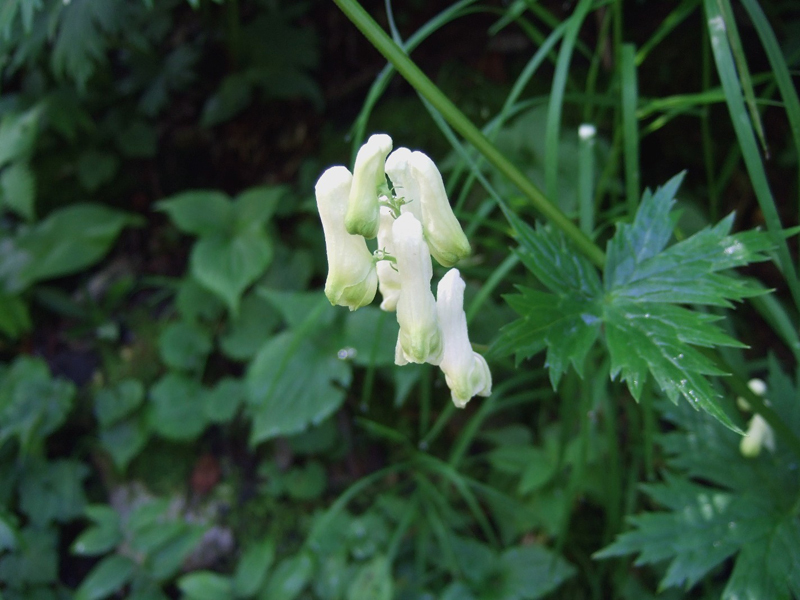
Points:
[[419, 81]]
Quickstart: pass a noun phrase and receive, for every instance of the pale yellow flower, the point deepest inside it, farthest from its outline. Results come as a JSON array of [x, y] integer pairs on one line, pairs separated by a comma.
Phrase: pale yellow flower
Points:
[[363, 213], [419, 340], [465, 371], [352, 280]]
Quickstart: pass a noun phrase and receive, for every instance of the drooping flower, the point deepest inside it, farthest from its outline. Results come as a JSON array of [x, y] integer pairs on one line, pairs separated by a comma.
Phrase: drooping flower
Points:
[[420, 339], [388, 277], [465, 371], [444, 235], [352, 278], [363, 213]]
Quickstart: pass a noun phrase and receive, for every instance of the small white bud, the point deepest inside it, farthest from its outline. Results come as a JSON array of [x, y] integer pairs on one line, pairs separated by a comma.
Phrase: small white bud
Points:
[[362, 208], [757, 386], [759, 434], [586, 131], [444, 235], [388, 277], [419, 340], [465, 371], [352, 279]]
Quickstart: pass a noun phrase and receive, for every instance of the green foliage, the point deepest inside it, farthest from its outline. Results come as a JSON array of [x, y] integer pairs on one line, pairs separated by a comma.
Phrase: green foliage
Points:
[[720, 505], [67, 241], [233, 249], [638, 304], [217, 430]]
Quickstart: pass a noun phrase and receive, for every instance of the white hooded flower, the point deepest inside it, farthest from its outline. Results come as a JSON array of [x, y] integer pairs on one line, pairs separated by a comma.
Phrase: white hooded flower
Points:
[[465, 371], [362, 208], [444, 235], [388, 277], [405, 186], [352, 279], [759, 434], [419, 340]]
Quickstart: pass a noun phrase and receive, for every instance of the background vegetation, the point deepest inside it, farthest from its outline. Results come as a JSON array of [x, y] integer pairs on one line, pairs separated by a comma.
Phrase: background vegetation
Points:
[[184, 415]]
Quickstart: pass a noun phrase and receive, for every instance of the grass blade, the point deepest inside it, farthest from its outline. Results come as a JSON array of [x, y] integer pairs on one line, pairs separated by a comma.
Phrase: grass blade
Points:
[[740, 120]]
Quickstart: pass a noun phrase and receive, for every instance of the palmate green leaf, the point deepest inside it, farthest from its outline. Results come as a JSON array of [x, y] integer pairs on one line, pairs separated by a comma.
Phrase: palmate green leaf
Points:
[[81, 40], [719, 504], [638, 305]]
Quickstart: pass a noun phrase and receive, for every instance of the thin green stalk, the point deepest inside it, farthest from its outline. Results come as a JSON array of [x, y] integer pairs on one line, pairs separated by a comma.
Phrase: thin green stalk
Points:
[[630, 126], [406, 67], [708, 140], [552, 132], [586, 135], [425, 401]]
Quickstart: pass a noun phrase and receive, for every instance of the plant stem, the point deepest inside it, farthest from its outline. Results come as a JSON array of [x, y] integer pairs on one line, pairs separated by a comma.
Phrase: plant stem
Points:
[[425, 87]]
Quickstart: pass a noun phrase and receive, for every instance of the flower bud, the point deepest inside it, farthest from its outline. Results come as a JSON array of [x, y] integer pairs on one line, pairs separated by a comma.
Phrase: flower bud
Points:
[[759, 434], [465, 371], [352, 279], [419, 340], [388, 277], [362, 208], [444, 235]]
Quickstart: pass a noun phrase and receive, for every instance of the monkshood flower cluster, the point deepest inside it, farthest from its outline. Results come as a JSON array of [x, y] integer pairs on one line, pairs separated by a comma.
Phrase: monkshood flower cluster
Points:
[[412, 221]]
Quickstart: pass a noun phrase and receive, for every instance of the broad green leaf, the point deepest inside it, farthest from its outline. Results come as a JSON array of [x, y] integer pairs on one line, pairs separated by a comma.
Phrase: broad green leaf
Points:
[[14, 316], [255, 206], [103, 535], [637, 308], [185, 346], [223, 401], [67, 241], [370, 336], [373, 581], [199, 212], [289, 578], [718, 505], [251, 571], [248, 331], [205, 585], [295, 307], [167, 559], [228, 265], [96, 169], [8, 532], [125, 439], [32, 404], [294, 381], [306, 482], [531, 572], [332, 576], [108, 576], [233, 96], [18, 135], [114, 404], [195, 302], [35, 561], [177, 407], [53, 491], [18, 185]]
